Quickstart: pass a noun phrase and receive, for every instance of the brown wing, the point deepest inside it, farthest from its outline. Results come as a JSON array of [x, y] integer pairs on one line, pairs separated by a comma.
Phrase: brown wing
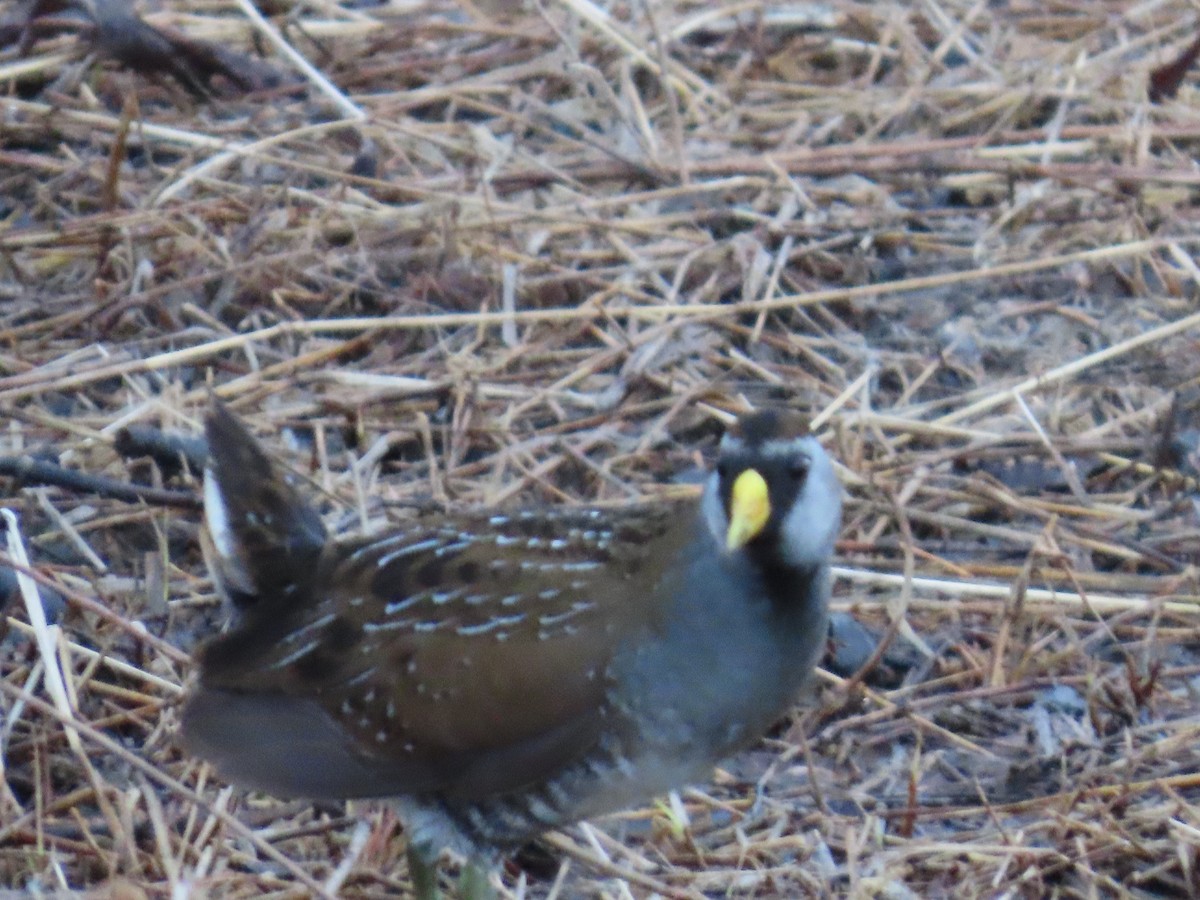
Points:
[[472, 654]]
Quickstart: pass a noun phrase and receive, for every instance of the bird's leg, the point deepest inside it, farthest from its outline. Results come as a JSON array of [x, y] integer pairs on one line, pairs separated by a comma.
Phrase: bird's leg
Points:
[[423, 870], [473, 882]]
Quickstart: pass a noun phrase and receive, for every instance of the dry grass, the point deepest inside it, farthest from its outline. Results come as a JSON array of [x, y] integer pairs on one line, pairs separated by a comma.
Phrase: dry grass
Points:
[[538, 259]]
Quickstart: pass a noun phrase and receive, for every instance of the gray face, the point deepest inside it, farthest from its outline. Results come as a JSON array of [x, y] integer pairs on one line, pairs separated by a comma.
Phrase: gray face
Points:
[[806, 497]]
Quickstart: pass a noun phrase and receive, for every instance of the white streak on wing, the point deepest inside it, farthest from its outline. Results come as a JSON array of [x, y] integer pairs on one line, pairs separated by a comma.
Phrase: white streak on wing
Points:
[[558, 795], [400, 605], [541, 811], [390, 625], [375, 546], [296, 654], [410, 550], [490, 625], [559, 618], [558, 566], [579, 566], [314, 625]]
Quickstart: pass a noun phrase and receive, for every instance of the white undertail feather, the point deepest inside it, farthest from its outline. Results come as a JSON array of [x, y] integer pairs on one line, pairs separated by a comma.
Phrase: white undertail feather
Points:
[[232, 571]]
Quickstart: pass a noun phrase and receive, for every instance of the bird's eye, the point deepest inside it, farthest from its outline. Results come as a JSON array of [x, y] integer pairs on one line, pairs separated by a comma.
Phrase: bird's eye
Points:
[[723, 469], [798, 469]]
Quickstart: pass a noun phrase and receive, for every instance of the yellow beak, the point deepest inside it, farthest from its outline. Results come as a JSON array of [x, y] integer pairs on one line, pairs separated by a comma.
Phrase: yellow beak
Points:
[[749, 509]]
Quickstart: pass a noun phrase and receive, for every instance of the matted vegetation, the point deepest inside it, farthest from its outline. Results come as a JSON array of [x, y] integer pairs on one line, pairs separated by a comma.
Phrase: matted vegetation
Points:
[[520, 256]]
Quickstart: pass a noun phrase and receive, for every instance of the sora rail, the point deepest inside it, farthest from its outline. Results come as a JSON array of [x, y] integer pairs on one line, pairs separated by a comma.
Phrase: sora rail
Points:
[[496, 674]]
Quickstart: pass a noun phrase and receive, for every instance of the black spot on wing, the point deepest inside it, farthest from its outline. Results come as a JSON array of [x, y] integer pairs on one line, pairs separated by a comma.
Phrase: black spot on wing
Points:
[[634, 533], [340, 635], [526, 525], [391, 581], [430, 574], [317, 666]]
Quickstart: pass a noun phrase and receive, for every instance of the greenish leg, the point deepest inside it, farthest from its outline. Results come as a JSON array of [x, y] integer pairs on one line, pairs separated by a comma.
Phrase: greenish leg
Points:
[[423, 870], [473, 882]]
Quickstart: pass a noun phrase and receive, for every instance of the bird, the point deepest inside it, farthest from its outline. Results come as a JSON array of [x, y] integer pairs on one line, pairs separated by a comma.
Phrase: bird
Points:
[[494, 674]]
